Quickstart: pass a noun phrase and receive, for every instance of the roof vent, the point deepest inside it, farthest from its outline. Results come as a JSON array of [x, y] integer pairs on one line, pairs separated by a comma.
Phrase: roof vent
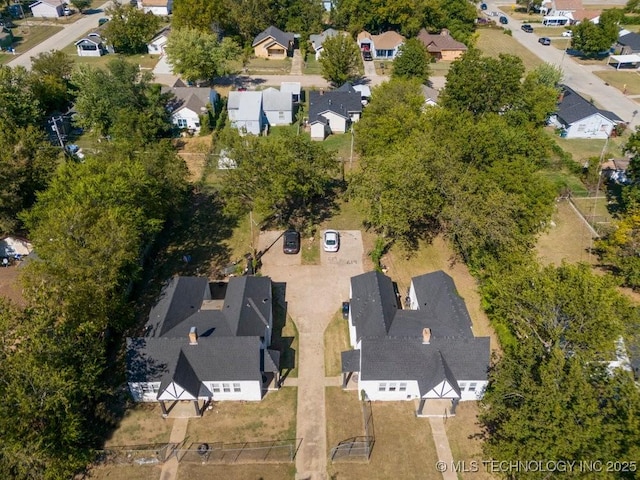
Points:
[[426, 336], [193, 336]]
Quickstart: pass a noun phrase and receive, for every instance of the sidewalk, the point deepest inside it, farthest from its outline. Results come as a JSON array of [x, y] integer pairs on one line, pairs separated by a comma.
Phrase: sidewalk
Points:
[[178, 434], [445, 458]]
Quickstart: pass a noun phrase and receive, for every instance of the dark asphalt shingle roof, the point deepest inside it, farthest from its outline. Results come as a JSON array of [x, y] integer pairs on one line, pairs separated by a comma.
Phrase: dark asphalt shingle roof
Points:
[[573, 108], [340, 102], [350, 361], [284, 39], [373, 304], [247, 305], [631, 40]]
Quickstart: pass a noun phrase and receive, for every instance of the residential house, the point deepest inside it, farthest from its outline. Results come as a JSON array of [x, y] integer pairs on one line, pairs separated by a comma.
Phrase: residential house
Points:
[[273, 43], [430, 95], [318, 40], [384, 46], [205, 342], [628, 44], [426, 350], [93, 45], [47, 8], [277, 106], [567, 12], [157, 7], [442, 46], [159, 42], [188, 104], [13, 246], [337, 110], [580, 118], [293, 88], [245, 112]]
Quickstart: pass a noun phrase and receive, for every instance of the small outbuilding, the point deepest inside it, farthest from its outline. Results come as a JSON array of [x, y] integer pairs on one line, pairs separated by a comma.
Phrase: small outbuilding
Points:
[[47, 8]]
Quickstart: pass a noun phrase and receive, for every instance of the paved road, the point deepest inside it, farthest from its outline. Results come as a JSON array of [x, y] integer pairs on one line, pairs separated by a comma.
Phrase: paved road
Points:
[[575, 75], [66, 36]]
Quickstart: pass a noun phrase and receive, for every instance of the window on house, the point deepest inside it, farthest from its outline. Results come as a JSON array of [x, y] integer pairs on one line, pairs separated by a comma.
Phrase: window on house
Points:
[[197, 124], [226, 387], [236, 387], [581, 127], [403, 387], [182, 123], [281, 115], [149, 388], [392, 387], [462, 386], [382, 387], [215, 387], [472, 386]]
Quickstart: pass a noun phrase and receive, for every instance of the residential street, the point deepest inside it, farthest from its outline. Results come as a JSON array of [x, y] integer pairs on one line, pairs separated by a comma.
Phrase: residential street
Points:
[[64, 37], [575, 75]]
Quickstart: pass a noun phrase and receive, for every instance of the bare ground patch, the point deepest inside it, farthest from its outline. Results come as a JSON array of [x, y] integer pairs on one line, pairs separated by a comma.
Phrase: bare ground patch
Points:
[[194, 151], [10, 287], [237, 472]]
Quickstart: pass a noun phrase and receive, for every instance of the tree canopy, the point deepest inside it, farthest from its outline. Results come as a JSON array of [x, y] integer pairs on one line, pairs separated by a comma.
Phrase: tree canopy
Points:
[[340, 59], [130, 29], [590, 38], [412, 61]]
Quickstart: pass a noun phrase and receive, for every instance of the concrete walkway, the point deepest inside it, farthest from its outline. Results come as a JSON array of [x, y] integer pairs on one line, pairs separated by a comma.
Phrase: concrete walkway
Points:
[[445, 458], [296, 63], [178, 433]]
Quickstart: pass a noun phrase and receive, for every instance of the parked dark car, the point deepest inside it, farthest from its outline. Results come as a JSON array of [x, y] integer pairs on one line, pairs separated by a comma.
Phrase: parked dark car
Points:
[[345, 310], [504, 20], [291, 242], [367, 56], [102, 21], [527, 28], [545, 41], [483, 6]]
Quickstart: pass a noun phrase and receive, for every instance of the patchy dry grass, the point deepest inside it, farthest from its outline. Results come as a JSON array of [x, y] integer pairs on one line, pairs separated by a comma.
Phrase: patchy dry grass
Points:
[[142, 424], [582, 149], [194, 151], [336, 340], [10, 286], [272, 418], [239, 472], [310, 250], [627, 81], [27, 37], [493, 42], [124, 472], [404, 445]]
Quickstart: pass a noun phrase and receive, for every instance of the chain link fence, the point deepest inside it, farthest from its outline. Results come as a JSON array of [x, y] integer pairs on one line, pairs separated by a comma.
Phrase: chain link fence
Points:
[[357, 447], [270, 451]]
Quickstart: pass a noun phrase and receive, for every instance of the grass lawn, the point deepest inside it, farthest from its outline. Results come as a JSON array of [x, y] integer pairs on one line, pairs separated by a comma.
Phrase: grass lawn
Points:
[[404, 445], [124, 472], [594, 209], [567, 239], [274, 418], [582, 149], [340, 143], [564, 179], [310, 250], [285, 337], [26, 38], [463, 431], [493, 42], [541, 31], [142, 424], [240, 472], [311, 66], [336, 340], [621, 79], [256, 66], [521, 15], [440, 68]]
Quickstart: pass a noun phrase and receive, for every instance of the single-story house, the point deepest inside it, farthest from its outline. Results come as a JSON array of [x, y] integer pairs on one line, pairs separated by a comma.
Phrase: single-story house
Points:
[[442, 46], [293, 88], [340, 108], [205, 342], [627, 44], [318, 40], [188, 104], [273, 43], [245, 112], [277, 106], [430, 95], [47, 8], [157, 7], [384, 46], [93, 45], [426, 350], [567, 12], [157, 43], [580, 118]]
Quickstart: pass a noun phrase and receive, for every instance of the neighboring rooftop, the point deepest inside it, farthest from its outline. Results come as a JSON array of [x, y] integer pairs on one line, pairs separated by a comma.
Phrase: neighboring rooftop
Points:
[[385, 41], [573, 107], [282, 38], [343, 102], [442, 41]]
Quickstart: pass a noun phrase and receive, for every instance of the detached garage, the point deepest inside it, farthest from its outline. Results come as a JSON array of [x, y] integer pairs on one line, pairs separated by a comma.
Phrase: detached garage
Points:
[[47, 9]]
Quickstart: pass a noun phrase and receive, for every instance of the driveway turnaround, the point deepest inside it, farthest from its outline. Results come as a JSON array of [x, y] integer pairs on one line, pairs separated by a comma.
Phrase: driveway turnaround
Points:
[[314, 294]]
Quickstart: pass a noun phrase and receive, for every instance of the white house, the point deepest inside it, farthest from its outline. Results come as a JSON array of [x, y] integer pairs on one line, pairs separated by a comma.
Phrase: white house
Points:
[[12, 246], [157, 7], [245, 112], [157, 43], [384, 46], [579, 118], [293, 88], [47, 8], [339, 108], [277, 106], [318, 40], [93, 45], [425, 351], [567, 12], [205, 343], [188, 104]]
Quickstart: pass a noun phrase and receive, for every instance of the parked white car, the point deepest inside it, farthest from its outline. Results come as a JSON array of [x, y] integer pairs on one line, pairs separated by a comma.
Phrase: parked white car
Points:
[[331, 241], [567, 33]]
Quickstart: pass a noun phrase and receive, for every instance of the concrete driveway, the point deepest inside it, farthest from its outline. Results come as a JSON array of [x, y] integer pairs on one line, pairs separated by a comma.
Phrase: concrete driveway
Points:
[[314, 294], [575, 75]]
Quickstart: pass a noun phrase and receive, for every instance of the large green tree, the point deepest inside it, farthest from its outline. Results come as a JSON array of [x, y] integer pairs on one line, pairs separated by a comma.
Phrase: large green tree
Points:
[[197, 55], [19, 106], [412, 61], [130, 29], [51, 73], [340, 59], [591, 39]]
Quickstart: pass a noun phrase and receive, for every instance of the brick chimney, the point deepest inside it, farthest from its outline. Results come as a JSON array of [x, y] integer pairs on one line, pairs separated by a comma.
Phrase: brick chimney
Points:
[[426, 336], [193, 336]]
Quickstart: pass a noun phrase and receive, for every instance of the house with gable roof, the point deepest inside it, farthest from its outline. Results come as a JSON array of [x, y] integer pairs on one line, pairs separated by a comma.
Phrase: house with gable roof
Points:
[[628, 43], [205, 343], [159, 42], [424, 351], [47, 8], [318, 40], [273, 43], [384, 46], [334, 111], [245, 112], [277, 106], [188, 104], [93, 45], [157, 7], [567, 12], [442, 46], [580, 118]]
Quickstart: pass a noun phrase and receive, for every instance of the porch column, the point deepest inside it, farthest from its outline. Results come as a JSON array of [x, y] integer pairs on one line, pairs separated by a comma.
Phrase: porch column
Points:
[[421, 406], [197, 407], [163, 407], [454, 404]]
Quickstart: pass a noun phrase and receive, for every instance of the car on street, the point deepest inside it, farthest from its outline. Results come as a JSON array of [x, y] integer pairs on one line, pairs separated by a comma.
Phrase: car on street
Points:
[[483, 6], [291, 242], [544, 40], [527, 28], [504, 20], [102, 21], [331, 241], [567, 33]]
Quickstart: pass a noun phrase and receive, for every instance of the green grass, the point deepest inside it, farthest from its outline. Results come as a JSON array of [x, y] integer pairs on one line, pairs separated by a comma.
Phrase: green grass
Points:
[[336, 341], [311, 66], [564, 179], [310, 251], [25, 38], [582, 149], [439, 68], [256, 66], [622, 79], [493, 42]]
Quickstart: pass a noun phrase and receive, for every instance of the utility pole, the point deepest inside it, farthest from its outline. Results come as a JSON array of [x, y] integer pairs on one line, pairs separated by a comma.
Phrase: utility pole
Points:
[[351, 154], [57, 129]]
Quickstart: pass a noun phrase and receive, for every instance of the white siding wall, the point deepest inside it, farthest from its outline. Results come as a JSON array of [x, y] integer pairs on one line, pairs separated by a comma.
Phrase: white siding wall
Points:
[[160, 11], [595, 126], [249, 390], [46, 11], [89, 53], [143, 391], [337, 123], [191, 117], [250, 126], [278, 118], [472, 389], [413, 297], [318, 131], [374, 390]]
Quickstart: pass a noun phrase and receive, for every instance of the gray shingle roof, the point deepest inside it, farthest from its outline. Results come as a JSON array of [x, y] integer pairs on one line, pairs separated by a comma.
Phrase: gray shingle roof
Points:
[[350, 361], [178, 301], [373, 304], [193, 98], [632, 40], [284, 39], [247, 305], [341, 103], [573, 108], [275, 100], [245, 105], [318, 40]]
